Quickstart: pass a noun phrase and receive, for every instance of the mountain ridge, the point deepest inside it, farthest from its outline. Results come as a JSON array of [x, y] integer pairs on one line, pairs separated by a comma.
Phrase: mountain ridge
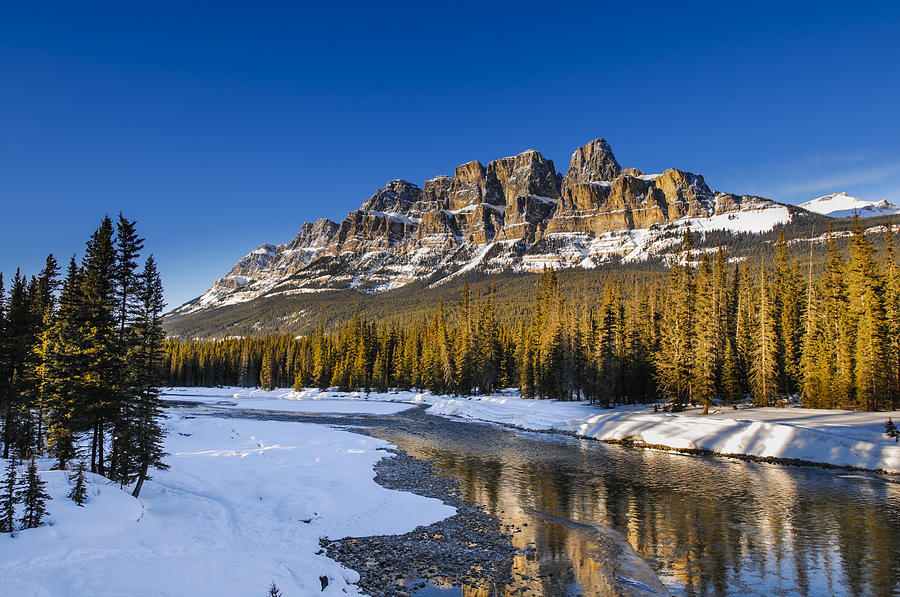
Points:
[[515, 213]]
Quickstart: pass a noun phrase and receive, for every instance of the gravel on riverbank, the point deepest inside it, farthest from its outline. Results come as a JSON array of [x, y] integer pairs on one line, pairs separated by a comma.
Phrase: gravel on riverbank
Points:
[[461, 550]]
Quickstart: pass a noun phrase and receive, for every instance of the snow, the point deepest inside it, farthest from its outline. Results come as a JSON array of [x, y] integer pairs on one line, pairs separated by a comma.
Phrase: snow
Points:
[[397, 217], [281, 400], [541, 199], [841, 438], [745, 220], [244, 504], [842, 205]]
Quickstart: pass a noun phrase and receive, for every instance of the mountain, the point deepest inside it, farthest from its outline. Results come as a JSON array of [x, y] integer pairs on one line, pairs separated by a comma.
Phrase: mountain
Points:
[[516, 214], [842, 205]]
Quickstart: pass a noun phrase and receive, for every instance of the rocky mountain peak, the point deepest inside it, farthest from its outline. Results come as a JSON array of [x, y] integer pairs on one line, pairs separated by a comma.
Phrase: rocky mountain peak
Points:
[[314, 234], [592, 162], [686, 193], [397, 196], [514, 213]]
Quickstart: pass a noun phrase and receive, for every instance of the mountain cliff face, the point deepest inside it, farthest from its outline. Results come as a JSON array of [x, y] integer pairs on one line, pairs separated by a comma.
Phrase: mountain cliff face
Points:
[[516, 213]]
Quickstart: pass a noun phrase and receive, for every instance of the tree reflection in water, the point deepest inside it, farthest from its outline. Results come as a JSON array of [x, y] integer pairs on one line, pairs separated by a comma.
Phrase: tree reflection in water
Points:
[[707, 526]]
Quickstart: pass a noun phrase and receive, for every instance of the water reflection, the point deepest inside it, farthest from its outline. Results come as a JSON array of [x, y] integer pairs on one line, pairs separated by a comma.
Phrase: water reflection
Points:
[[707, 526]]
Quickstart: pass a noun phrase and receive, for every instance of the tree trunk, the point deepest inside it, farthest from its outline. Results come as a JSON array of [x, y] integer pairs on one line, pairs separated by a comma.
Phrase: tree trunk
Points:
[[94, 450], [7, 427], [100, 447], [140, 481]]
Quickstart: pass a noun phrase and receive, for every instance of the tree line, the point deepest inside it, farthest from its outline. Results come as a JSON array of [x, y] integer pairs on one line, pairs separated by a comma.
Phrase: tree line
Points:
[[81, 358], [712, 330]]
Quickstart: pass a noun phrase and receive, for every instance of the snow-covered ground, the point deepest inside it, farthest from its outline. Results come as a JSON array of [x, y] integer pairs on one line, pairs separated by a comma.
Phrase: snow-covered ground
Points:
[[284, 401], [841, 438], [244, 504]]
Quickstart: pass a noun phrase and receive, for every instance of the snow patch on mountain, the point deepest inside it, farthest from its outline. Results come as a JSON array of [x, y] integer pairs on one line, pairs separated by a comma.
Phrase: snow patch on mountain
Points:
[[842, 205]]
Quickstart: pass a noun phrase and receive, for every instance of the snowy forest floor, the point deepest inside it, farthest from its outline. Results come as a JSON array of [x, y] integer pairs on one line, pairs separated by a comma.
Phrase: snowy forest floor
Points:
[[244, 504], [792, 434]]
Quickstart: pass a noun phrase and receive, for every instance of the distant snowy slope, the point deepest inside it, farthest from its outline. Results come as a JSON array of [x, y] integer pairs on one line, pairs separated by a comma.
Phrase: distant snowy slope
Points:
[[842, 205]]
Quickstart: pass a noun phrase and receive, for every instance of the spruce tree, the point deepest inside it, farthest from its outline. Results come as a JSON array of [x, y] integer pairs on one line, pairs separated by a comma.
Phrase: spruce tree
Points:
[[867, 311], [147, 414], [78, 492], [4, 353], [267, 372], [65, 386], [674, 360], [704, 359], [8, 498], [33, 497], [45, 309], [890, 430], [763, 369], [20, 340], [892, 314], [98, 302], [834, 359], [127, 250]]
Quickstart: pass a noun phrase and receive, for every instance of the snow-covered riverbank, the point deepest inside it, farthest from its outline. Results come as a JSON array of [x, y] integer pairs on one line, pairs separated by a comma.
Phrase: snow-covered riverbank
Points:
[[839, 438], [244, 504]]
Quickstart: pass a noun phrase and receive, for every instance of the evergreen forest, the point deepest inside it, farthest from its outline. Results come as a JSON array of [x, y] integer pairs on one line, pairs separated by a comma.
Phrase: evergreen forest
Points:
[[81, 356], [824, 328]]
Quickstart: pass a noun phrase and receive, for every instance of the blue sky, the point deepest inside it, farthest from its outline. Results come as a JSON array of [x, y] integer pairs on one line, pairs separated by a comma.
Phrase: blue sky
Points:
[[220, 126]]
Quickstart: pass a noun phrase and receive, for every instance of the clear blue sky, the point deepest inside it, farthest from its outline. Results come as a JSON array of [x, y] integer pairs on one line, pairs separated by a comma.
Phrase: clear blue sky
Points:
[[220, 126]]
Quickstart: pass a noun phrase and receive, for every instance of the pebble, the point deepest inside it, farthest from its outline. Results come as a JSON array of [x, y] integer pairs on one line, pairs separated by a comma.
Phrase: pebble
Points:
[[464, 549]]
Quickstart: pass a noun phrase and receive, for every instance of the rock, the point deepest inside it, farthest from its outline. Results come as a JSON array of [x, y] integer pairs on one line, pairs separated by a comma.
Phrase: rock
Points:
[[489, 218], [592, 162], [686, 194], [397, 196], [529, 188]]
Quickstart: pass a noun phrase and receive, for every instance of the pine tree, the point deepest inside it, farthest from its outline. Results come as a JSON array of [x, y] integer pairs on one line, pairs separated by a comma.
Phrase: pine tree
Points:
[[267, 372], [127, 250], [871, 354], [245, 379], [274, 591], [65, 370], [704, 359], [33, 497], [787, 307], [98, 301], [488, 348], [147, 414], [20, 339], [890, 430], [45, 307], [838, 338], [8, 498], [4, 353], [892, 314], [676, 348], [763, 370], [78, 493]]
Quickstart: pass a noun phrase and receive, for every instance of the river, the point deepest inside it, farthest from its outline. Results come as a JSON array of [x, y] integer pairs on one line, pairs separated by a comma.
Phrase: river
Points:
[[705, 525]]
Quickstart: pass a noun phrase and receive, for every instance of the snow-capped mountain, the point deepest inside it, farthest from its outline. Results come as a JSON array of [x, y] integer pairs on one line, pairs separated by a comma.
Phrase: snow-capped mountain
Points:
[[842, 205], [517, 213]]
